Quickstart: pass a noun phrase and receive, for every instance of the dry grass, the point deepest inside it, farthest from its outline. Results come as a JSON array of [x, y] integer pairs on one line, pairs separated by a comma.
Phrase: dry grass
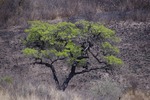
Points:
[[107, 91], [135, 95], [50, 94], [19, 11]]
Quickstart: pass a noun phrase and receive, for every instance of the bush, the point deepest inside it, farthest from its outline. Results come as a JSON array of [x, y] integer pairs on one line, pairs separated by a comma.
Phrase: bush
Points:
[[106, 89]]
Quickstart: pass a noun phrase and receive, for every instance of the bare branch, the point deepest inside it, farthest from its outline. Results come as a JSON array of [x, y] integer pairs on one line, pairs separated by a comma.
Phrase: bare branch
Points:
[[95, 56], [87, 70], [43, 63], [57, 60], [82, 57], [53, 72]]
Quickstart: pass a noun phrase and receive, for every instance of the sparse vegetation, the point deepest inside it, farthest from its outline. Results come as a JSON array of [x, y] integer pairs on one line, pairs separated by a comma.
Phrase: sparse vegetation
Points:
[[20, 11], [6, 79], [106, 89], [136, 95], [79, 60], [51, 94]]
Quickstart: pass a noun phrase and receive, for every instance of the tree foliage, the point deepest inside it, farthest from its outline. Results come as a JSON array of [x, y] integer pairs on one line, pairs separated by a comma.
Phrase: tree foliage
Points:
[[73, 43]]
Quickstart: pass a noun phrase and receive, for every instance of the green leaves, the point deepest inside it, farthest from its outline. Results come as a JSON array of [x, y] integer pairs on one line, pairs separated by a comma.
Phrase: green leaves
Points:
[[112, 60], [30, 52], [106, 33], [110, 48]]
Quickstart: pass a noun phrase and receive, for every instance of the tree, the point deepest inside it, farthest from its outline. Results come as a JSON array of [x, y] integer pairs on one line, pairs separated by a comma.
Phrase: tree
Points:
[[73, 43]]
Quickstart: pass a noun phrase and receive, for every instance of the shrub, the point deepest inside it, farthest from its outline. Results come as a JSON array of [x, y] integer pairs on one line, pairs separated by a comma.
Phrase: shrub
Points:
[[106, 89]]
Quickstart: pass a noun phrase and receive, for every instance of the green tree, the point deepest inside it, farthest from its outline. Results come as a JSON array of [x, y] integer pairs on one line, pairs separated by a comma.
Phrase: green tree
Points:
[[73, 43]]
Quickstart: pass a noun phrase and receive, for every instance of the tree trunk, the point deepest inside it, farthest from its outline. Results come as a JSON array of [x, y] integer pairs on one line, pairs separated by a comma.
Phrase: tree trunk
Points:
[[66, 81], [70, 76], [55, 78], [54, 75]]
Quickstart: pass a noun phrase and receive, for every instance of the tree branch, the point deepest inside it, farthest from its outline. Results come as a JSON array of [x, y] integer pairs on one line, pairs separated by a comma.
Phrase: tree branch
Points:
[[53, 72], [57, 60], [87, 70], [95, 56], [106, 67], [69, 77]]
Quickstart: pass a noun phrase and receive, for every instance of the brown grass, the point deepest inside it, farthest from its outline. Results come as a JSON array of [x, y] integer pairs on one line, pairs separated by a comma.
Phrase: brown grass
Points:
[[53, 94], [19, 11], [135, 95]]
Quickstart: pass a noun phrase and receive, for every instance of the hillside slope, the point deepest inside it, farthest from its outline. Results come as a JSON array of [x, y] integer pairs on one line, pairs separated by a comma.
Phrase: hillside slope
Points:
[[129, 18], [20, 11], [135, 51]]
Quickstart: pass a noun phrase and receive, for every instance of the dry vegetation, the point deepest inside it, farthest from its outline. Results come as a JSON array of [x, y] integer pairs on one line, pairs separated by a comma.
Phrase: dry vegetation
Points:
[[52, 94], [57, 95], [135, 50], [136, 95], [19, 11], [105, 89]]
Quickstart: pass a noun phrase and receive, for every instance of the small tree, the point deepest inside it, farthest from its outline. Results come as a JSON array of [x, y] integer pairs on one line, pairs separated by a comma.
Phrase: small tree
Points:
[[73, 43]]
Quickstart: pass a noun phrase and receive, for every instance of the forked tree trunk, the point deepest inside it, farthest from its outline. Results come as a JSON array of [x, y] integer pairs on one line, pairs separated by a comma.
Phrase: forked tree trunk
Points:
[[70, 76], [66, 81]]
